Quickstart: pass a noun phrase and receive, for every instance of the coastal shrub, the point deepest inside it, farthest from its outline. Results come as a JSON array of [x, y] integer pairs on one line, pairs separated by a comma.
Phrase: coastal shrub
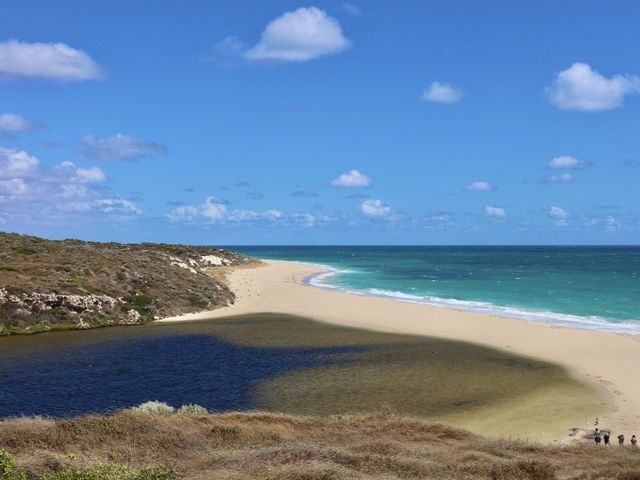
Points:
[[524, 470], [192, 409], [8, 467], [154, 408], [114, 472]]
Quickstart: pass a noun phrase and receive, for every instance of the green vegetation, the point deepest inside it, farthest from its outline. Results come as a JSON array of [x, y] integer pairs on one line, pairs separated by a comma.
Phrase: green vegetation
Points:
[[8, 467], [114, 472], [192, 409], [155, 408], [46, 283], [107, 471], [263, 446]]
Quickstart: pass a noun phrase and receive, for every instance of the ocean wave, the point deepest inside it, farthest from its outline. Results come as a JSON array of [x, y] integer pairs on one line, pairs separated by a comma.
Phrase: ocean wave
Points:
[[321, 280]]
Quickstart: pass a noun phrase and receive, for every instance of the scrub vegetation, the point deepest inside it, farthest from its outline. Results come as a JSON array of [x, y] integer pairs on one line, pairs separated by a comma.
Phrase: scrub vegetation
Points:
[[133, 445], [71, 284]]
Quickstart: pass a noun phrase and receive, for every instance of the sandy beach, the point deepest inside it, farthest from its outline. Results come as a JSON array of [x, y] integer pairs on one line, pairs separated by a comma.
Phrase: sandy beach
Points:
[[608, 361]]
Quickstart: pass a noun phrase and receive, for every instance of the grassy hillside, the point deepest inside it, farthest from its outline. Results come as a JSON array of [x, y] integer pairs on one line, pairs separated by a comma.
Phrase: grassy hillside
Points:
[[47, 284], [280, 447]]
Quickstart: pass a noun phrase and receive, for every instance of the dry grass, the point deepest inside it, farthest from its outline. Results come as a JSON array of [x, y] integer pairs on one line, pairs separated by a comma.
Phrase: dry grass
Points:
[[283, 447]]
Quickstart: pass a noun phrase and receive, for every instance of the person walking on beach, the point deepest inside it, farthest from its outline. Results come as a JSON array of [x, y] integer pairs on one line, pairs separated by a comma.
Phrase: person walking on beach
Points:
[[606, 439], [621, 439], [596, 437], [634, 441]]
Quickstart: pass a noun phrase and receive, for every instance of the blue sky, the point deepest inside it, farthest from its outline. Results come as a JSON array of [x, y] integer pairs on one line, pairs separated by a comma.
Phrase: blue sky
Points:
[[236, 122]]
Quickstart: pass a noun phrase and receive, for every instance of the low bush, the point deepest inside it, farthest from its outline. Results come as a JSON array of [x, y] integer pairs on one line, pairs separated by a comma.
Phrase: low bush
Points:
[[154, 408], [192, 409], [8, 467]]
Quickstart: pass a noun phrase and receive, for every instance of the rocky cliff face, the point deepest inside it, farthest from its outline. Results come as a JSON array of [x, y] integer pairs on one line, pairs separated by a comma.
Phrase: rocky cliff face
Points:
[[48, 284]]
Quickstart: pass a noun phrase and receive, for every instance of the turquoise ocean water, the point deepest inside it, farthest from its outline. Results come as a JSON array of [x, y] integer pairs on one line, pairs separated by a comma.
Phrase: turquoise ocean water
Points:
[[584, 287]]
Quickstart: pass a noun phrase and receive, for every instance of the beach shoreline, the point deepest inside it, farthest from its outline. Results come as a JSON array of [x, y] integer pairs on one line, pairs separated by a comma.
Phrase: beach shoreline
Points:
[[604, 360]]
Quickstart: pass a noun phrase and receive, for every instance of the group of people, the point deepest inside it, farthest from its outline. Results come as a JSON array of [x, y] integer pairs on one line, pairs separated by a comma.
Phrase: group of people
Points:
[[600, 436]]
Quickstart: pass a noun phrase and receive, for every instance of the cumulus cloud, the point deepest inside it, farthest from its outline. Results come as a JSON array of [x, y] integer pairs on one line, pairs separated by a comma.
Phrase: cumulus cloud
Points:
[[118, 205], [214, 211], [442, 93], [120, 148], [186, 213], [559, 215], [211, 211], [374, 208], [561, 178], [581, 88], [569, 163], [480, 186], [32, 193], [298, 36], [13, 187], [16, 163], [495, 212], [12, 124], [351, 180], [90, 175], [51, 61], [557, 212]]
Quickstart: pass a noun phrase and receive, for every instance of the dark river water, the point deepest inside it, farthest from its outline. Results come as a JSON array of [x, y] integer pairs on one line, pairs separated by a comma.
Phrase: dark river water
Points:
[[72, 373]]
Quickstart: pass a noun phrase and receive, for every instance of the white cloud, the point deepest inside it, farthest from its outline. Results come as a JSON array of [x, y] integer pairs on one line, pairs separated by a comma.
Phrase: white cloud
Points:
[[583, 89], [118, 206], [183, 214], [496, 212], [561, 178], [13, 187], [15, 163], [374, 208], [557, 212], [442, 93], [74, 191], [11, 124], [250, 215], [36, 194], [480, 186], [53, 61], [611, 224], [299, 36], [120, 148], [568, 162], [90, 175], [306, 220], [560, 215], [352, 179], [213, 210]]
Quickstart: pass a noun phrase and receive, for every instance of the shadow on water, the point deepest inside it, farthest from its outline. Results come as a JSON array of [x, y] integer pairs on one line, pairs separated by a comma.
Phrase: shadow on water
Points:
[[77, 378]]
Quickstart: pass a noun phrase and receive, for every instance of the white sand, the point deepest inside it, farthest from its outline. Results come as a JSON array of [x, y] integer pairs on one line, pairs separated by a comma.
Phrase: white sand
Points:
[[609, 360]]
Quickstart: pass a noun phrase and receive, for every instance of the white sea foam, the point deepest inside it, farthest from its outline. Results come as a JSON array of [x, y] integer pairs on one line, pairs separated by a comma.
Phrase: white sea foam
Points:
[[321, 280]]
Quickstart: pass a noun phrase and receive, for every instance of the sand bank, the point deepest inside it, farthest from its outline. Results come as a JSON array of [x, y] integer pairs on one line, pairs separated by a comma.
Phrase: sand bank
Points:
[[608, 361]]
